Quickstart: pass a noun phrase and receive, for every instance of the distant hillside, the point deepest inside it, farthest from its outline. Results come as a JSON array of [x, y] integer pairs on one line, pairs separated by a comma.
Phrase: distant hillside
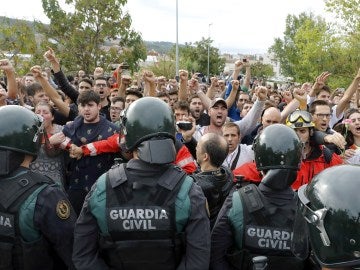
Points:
[[162, 47], [14, 21]]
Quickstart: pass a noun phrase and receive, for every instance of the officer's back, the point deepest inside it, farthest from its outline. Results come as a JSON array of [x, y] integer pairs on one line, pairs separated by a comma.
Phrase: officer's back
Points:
[[36, 218], [259, 220], [147, 213]]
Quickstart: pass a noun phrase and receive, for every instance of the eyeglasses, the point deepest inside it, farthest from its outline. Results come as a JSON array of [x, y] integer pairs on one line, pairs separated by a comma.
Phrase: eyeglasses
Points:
[[100, 85], [297, 115], [322, 115], [242, 99]]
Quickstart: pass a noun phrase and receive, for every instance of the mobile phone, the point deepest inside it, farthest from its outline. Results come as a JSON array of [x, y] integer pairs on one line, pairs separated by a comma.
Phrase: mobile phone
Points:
[[244, 60], [184, 125]]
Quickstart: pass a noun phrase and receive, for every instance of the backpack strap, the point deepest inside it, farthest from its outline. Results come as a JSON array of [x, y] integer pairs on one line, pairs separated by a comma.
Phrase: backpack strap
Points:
[[16, 188], [254, 205]]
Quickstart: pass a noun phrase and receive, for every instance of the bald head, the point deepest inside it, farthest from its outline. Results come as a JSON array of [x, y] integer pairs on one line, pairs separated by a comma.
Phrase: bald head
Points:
[[271, 116], [215, 146]]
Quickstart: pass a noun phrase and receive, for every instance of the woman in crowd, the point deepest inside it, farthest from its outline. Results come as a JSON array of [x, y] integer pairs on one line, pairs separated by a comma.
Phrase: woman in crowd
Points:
[[50, 160]]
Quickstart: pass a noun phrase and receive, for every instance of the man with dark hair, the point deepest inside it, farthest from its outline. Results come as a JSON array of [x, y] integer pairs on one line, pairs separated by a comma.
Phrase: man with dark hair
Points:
[[131, 96], [214, 179], [90, 126], [101, 87], [116, 107]]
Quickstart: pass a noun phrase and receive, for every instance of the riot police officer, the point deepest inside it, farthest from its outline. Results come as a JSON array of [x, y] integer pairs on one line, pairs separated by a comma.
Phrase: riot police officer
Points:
[[146, 214], [36, 218], [258, 220], [329, 207]]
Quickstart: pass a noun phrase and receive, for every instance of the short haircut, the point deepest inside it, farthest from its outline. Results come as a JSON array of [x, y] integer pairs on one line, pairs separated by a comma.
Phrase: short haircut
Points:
[[86, 97], [181, 105], [118, 99], [216, 147], [134, 93], [192, 97], [232, 125], [162, 94], [173, 92], [89, 81], [33, 88], [316, 103]]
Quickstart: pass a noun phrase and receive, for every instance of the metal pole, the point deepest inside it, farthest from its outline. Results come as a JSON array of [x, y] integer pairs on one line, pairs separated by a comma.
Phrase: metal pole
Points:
[[208, 60], [177, 42]]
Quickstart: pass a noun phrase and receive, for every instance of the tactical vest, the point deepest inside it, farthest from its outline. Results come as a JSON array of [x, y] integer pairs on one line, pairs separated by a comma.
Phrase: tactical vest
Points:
[[15, 190], [262, 229], [141, 222]]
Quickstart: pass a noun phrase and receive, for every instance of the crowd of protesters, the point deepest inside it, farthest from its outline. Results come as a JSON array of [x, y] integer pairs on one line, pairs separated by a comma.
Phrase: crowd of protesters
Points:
[[84, 135]]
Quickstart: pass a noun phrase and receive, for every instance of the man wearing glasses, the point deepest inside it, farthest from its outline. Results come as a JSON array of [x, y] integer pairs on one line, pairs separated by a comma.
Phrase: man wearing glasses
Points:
[[102, 89]]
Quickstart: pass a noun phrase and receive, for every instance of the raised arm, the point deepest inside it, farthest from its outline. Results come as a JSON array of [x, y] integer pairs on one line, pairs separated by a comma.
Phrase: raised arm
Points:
[[62, 106], [9, 70], [63, 82], [150, 85], [234, 89], [350, 91], [183, 91]]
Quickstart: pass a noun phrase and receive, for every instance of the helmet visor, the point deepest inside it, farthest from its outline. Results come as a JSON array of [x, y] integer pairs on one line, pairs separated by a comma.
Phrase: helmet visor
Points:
[[315, 218]]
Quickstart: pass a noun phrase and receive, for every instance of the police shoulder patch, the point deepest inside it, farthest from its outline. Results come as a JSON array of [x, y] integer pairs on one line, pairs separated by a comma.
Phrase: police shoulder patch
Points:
[[63, 209]]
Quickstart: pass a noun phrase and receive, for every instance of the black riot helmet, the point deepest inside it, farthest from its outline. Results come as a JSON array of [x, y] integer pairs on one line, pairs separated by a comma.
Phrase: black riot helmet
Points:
[[330, 205], [278, 153], [149, 126], [20, 133]]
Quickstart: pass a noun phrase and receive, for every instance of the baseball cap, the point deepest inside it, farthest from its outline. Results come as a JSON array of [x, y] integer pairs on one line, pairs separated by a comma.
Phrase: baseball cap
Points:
[[218, 100]]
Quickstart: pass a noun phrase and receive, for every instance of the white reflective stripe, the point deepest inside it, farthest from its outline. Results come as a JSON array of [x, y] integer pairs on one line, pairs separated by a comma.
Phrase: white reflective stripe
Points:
[[92, 149], [65, 143], [185, 161]]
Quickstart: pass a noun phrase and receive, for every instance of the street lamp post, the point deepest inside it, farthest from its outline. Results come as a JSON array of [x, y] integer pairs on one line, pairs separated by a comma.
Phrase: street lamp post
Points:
[[177, 43], [208, 60]]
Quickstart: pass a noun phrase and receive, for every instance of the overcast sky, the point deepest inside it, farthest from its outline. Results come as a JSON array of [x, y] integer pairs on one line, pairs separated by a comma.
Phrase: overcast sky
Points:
[[236, 26]]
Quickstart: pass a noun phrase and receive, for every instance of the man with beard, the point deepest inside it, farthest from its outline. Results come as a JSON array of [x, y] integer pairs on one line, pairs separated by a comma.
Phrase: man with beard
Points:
[[218, 113], [197, 111]]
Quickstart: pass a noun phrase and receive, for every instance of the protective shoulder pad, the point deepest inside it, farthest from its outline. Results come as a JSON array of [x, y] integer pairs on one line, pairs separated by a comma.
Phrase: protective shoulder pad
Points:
[[182, 204], [236, 218]]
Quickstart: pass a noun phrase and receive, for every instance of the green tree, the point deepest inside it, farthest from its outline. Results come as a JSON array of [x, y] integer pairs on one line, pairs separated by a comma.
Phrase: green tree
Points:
[[194, 57], [95, 33], [310, 46], [164, 67], [17, 42], [261, 70], [348, 11]]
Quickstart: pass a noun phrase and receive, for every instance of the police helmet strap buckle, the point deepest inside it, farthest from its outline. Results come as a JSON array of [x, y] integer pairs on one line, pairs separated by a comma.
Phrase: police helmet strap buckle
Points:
[[40, 130]]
